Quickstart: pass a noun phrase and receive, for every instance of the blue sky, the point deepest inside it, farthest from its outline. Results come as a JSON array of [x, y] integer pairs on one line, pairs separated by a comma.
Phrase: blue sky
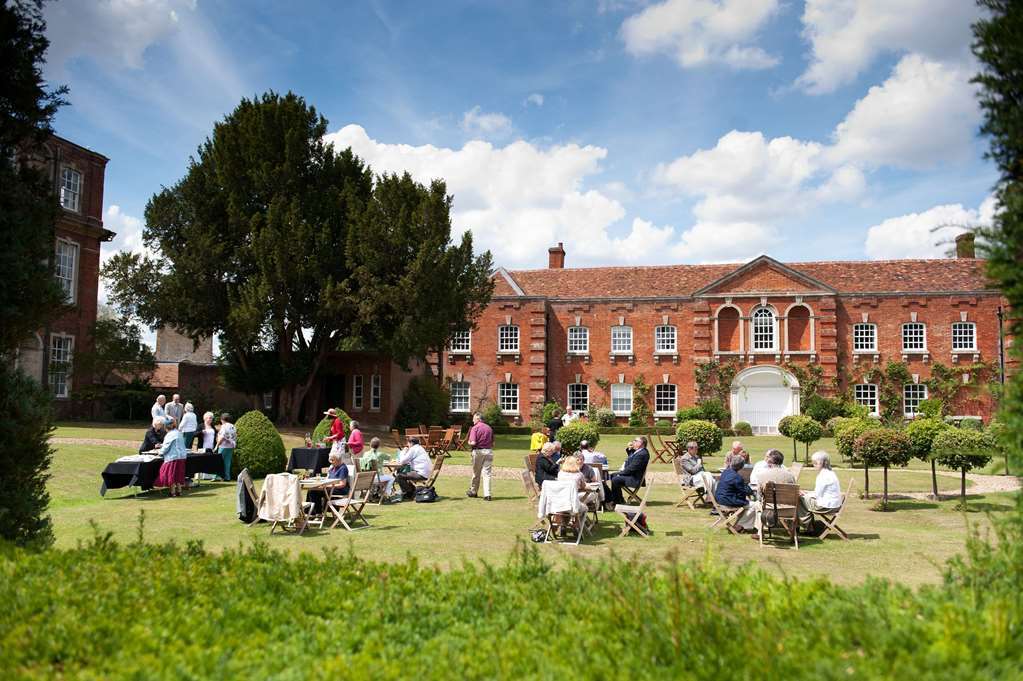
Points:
[[635, 132]]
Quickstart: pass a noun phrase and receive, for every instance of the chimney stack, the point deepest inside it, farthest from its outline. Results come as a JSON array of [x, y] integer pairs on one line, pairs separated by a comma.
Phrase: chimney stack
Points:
[[965, 247], [556, 257]]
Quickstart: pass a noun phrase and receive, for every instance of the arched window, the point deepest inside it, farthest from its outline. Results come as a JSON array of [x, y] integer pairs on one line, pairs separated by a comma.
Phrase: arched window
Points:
[[729, 338], [764, 333], [799, 329]]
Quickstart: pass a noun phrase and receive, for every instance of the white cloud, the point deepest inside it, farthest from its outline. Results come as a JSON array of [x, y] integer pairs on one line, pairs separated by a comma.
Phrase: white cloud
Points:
[[700, 32], [927, 234], [846, 36], [483, 124], [129, 233], [536, 99]]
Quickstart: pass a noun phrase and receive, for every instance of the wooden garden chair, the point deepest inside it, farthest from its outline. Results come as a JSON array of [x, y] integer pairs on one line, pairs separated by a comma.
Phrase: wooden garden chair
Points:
[[328, 489], [796, 469], [661, 452], [729, 515], [691, 495], [399, 439], [573, 517], [435, 435], [348, 510], [830, 516], [430, 481], [424, 430], [626, 510], [529, 483], [284, 485], [631, 494], [413, 432], [780, 503], [670, 444], [530, 461]]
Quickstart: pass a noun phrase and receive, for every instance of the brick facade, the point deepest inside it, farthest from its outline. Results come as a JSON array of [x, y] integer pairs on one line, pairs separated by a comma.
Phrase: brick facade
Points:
[[813, 309]]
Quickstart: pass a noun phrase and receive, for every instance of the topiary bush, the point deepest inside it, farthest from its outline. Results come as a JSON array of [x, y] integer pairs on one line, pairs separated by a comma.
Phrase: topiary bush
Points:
[[425, 402], [921, 433], [575, 432], [707, 435], [883, 447], [492, 415], [783, 425], [260, 447], [821, 408], [847, 432], [803, 429], [663, 424], [322, 428], [742, 429], [831, 427], [962, 450], [605, 418]]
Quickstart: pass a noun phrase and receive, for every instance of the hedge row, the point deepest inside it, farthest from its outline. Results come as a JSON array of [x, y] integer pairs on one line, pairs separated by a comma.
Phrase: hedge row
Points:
[[620, 430]]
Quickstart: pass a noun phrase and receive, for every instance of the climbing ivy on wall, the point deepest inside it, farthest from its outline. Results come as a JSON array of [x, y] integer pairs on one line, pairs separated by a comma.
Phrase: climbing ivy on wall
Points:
[[714, 380], [810, 377], [945, 384]]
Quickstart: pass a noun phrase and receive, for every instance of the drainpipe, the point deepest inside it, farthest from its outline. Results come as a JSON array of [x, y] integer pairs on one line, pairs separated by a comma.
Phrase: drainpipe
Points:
[[1001, 346]]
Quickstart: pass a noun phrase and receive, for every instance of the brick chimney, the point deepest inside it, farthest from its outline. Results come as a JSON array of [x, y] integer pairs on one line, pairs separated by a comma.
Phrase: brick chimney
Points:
[[556, 256], [965, 247]]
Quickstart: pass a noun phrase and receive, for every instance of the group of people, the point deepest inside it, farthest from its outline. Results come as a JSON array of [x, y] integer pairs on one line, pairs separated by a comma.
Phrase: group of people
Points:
[[175, 431]]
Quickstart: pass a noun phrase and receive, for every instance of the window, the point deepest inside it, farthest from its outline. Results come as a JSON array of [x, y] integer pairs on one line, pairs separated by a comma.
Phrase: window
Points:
[[578, 396], [375, 392], [866, 394], [621, 399], [665, 339], [578, 340], [461, 342], [914, 337], [864, 338], [508, 339], [964, 336], [621, 340], [460, 396], [268, 400], [357, 391], [763, 330], [61, 350], [66, 268], [665, 399], [508, 397], [912, 394], [71, 189]]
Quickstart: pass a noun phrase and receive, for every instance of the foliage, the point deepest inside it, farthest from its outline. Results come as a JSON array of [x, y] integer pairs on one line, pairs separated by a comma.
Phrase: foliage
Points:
[[946, 383], [890, 383], [575, 432], [998, 434], [810, 378], [847, 432], [706, 434], [785, 423], [550, 408], [822, 409], [322, 428], [804, 429], [714, 379], [715, 411], [921, 433], [260, 447], [605, 418], [963, 450], [492, 415], [884, 447], [971, 424], [662, 424], [832, 425], [117, 350], [742, 429], [425, 401], [689, 414], [25, 455], [131, 400], [931, 408], [640, 414]]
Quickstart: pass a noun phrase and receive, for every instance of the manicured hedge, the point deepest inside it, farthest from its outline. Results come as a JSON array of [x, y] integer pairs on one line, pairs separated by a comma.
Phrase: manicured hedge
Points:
[[322, 428], [575, 432], [706, 434], [260, 447]]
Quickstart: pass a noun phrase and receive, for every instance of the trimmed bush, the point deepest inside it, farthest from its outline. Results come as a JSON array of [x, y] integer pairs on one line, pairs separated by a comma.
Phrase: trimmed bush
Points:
[[742, 429], [931, 408], [783, 425], [803, 429], [847, 432], [689, 414], [605, 418], [883, 447], [971, 424], [492, 415], [831, 427], [998, 434], [322, 428], [962, 450], [260, 447], [575, 432], [821, 408], [921, 434], [425, 401], [715, 411], [663, 424], [707, 435]]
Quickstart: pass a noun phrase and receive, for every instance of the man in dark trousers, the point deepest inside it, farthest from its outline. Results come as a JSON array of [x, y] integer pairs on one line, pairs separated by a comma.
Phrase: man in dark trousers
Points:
[[554, 424], [632, 472]]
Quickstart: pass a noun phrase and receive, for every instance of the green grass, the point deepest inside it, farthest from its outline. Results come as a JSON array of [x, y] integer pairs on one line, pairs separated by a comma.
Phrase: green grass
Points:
[[907, 545]]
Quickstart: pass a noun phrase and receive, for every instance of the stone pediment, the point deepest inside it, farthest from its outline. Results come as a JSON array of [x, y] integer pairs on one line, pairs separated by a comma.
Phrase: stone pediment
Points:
[[764, 275]]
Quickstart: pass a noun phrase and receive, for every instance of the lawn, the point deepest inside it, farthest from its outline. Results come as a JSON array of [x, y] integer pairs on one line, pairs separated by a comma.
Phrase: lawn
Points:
[[908, 545]]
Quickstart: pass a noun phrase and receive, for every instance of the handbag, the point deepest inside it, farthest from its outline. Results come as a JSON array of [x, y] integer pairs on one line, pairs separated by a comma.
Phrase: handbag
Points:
[[426, 495]]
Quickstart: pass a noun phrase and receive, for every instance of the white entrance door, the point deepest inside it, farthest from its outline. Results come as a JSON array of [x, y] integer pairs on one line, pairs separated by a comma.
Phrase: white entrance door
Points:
[[762, 396]]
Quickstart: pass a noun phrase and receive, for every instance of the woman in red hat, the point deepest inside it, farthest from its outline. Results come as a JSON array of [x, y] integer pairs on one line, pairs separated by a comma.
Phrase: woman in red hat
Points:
[[337, 434]]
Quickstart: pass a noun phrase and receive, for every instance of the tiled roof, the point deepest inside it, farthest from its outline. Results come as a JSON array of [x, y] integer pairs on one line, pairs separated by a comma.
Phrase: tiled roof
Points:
[[873, 276]]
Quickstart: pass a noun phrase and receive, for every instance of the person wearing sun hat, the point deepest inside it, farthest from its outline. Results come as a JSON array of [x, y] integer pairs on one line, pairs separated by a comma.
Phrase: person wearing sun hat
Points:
[[336, 438]]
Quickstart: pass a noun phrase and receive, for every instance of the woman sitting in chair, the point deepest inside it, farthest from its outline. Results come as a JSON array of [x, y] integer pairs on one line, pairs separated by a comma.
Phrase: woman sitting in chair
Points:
[[571, 469], [546, 464], [827, 492], [337, 471], [733, 492]]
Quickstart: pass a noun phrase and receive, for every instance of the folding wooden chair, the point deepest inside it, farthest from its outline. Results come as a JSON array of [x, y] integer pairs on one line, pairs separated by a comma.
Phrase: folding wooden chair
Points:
[[576, 520], [348, 510], [295, 524], [690, 494], [671, 445], [413, 432], [430, 481], [661, 453], [729, 515], [399, 439], [830, 516], [435, 435], [631, 494], [530, 461], [424, 430], [796, 469], [529, 483], [328, 490], [780, 502], [636, 512]]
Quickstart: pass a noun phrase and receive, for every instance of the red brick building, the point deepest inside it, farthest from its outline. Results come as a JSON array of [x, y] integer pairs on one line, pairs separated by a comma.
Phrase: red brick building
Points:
[[584, 336], [77, 174]]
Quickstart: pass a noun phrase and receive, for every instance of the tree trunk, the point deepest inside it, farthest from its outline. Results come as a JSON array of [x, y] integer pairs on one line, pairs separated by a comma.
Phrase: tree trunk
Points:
[[806, 456], [795, 452], [934, 478], [962, 488], [884, 494], [866, 481], [298, 391], [1007, 461]]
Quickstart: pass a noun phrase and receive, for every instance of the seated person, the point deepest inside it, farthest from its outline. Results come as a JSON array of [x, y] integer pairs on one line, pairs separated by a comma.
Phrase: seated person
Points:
[[733, 492], [336, 471], [827, 492], [538, 440], [759, 465], [633, 471], [153, 439], [692, 465], [416, 465], [591, 456], [546, 464], [372, 460], [571, 469], [774, 471]]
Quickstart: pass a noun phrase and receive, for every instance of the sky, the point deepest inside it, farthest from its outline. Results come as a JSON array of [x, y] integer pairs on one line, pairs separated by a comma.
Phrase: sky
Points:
[[683, 131]]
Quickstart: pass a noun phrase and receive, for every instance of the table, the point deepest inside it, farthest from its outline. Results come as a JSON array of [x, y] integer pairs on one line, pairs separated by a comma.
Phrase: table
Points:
[[143, 474], [309, 458]]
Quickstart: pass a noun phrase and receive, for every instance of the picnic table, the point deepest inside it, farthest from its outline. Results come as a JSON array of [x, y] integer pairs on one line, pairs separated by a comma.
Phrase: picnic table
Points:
[[308, 458], [142, 473]]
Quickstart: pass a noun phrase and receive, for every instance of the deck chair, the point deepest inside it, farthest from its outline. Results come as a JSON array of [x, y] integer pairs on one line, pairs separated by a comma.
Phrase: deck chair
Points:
[[796, 469], [348, 510], [729, 515], [660, 451], [691, 494], [424, 430], [830, 516], [280, 503], [413, 432], [328, 489], [438, 463], [780, 502], [635, 512]]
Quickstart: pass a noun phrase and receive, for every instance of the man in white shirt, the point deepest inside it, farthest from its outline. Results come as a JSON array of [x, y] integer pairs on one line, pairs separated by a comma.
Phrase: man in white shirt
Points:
[[158, 412], [591, 456], [774, 471], [418, 461], [175, 408], [568, 416]]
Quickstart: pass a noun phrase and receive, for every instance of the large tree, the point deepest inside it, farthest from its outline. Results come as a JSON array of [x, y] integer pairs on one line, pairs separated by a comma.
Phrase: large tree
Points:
[[289, 249]]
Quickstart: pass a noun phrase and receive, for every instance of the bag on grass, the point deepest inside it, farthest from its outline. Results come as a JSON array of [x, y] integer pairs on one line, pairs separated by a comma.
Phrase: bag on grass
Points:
[[426, 495], [538, 535]]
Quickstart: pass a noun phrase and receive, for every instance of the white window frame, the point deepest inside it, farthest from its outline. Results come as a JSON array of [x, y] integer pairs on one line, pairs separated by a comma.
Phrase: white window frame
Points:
[[582, 340], [923, 337], [621, 340], [662, 334], [873, 337], [617, 401], [66, 372], [865, 394], [508, 398], [573, 400], [358, 392], [754, 331], [455, 394], [461, 343], [71, 189], [663, 387], [376, 392], [915, 388], [68, 282], [505, 337], [972, 326]]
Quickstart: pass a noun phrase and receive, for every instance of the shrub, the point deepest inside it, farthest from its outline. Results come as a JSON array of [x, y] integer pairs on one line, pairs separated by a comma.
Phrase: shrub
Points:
[[639, 417], [821, 408], [883, 447], [25, 454], [921, 433], [322, 428], [260, 447], [714, 411], [605, 418], [804, 429], [575, 432], [742, 429], [550, 409], [931, 408], [847, 432], [492, 415], [783, 425], [706, 434], [971, 424], [831, 427], [663, 424], [425, 401], [689, 414], [963, 450], [998, 434]]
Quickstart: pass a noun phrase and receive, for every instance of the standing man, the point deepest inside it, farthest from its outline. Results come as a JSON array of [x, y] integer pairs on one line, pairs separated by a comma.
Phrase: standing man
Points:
[[158, 412], [175, 409], [481, 440], [554, 424]]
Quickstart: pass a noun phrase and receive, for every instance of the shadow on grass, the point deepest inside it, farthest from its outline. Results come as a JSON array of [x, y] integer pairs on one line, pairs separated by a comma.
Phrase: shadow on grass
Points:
[[909, 505]]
